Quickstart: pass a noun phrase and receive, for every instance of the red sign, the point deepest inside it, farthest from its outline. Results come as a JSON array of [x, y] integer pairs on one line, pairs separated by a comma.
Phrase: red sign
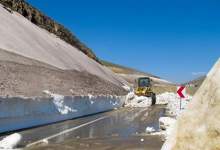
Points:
[[180, 90]]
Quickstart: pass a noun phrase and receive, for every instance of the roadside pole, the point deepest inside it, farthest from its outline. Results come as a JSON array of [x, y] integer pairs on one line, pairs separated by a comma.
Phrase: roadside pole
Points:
[[180, 91]]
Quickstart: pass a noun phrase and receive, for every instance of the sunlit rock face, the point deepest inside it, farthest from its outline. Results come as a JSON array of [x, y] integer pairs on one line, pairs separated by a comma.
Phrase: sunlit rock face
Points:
[[199, 126]]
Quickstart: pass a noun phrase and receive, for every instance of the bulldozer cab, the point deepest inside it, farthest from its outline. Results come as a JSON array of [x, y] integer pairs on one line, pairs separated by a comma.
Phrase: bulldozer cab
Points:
[[144, 82]]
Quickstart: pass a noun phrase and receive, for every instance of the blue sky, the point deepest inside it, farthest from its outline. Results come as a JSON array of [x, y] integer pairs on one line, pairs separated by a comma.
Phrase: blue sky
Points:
[[176, 40]]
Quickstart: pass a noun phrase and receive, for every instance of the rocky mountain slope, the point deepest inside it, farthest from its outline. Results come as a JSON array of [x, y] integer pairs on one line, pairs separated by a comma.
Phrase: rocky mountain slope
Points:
[[34, 59], [45, 22]]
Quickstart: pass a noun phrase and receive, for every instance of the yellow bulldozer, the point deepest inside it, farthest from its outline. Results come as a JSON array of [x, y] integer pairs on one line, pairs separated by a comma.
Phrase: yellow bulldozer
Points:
[[144, 88]]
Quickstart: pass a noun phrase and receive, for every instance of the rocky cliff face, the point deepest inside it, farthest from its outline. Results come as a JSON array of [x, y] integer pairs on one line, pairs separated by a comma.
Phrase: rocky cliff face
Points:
[[41, 20]]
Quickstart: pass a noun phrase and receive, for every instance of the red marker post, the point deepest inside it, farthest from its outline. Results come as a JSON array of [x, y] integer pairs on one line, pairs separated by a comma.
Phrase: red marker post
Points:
[[180, 92]]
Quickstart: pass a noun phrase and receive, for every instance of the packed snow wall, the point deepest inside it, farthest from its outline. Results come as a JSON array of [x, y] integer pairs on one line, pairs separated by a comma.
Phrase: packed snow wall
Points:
[[19, 113], [198, 128]]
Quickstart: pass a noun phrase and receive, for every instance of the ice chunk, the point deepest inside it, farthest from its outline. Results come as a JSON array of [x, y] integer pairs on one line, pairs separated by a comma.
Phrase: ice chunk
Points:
[[11, 141], [150, 129]]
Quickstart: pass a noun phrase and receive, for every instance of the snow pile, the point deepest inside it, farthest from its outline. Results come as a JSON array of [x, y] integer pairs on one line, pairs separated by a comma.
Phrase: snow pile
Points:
[[173, 102], [58, 100], [11, 141], [133, 100], [171, 99]]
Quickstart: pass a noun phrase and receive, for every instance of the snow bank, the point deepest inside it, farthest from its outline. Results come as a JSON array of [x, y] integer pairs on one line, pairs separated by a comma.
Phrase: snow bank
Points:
[[11, 141], [18, 112]]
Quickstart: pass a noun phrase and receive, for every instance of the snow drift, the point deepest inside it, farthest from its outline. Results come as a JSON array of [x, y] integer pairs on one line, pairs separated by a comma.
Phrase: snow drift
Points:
[[20, 36]]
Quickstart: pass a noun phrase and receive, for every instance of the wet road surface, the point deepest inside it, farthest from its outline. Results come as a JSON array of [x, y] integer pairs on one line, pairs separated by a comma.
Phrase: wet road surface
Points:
[[122, 129]]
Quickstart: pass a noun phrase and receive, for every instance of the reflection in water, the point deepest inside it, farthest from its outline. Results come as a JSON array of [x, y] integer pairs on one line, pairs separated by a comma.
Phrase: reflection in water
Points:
[[123, 123], [121, 129]]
